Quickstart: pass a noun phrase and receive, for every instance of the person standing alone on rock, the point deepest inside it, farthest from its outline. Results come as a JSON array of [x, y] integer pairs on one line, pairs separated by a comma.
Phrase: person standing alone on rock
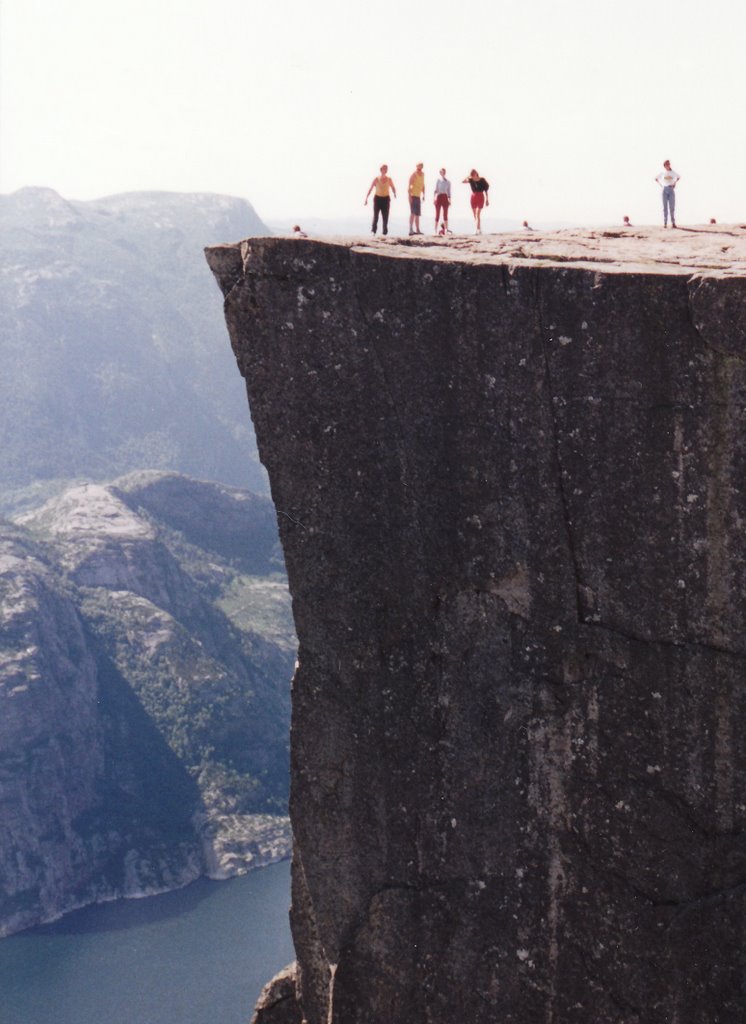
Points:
[[667, 180], [442, 200], [416, 195], [382, 199], [479, 197]]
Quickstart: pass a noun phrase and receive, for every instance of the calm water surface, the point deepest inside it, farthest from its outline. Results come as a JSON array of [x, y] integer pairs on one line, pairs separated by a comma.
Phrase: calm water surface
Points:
[[197, 956]]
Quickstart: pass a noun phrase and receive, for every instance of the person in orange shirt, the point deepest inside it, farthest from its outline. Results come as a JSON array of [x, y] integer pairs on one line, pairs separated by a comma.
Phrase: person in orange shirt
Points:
[[416, 195], [384, 187]]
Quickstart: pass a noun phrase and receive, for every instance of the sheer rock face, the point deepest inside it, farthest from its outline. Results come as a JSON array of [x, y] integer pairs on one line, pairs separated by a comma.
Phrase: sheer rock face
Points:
[[143, 693], [510, 487], [51, 738], [82, 768]]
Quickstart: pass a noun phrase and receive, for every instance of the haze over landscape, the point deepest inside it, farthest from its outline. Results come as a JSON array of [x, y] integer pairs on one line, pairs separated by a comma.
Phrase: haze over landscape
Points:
[[568, 109], [147, 638]]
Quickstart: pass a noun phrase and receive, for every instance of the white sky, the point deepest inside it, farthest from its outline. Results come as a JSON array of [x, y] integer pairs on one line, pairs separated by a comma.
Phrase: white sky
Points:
[[568, 107]]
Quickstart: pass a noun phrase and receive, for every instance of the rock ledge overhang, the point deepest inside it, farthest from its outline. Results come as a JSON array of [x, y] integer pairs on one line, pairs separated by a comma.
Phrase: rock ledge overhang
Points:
[[510, 476]]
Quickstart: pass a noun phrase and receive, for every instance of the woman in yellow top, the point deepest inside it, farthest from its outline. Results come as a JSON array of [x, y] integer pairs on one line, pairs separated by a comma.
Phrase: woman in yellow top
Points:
[[416, 195], [381, 200]]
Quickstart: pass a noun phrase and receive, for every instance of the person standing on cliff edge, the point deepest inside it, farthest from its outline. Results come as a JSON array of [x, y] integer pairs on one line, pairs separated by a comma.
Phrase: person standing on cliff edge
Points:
[[384, 186], [442, 201], [479, 196], [667, 180], [416, 195]]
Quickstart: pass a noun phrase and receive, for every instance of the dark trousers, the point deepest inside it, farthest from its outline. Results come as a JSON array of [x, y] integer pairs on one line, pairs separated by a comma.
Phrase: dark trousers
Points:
[[381, 204]]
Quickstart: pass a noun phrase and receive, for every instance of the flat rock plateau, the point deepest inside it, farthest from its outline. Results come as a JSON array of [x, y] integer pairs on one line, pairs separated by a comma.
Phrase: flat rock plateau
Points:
[[510, 476]]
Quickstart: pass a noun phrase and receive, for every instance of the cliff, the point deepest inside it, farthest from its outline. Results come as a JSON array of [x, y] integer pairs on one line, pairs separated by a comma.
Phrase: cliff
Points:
[[511, 488], [144, 670]]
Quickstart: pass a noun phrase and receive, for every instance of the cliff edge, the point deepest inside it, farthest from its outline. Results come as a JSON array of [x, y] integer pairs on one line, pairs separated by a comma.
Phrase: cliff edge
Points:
[[511, 485]]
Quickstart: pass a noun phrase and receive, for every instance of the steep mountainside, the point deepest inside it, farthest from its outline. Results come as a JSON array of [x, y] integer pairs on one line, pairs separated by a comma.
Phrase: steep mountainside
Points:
[[512, 473], [112, 345], [144, 692]]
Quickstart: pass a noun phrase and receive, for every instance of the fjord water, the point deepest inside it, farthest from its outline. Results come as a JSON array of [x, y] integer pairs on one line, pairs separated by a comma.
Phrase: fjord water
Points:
[[194, 956]]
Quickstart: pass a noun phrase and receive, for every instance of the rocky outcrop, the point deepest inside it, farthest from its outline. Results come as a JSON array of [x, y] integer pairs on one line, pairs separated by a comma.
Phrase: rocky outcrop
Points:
[[511, 489], [84, 811], [278, 1003], [144, 676]]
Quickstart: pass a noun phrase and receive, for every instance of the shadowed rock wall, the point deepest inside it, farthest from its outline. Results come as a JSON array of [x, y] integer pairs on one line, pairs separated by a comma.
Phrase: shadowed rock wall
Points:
[[511, 498]]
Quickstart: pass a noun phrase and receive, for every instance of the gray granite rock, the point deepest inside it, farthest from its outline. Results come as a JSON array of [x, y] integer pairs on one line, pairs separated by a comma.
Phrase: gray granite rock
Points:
[[511, 489], [81, 771], [278, 1002], [144, 704]]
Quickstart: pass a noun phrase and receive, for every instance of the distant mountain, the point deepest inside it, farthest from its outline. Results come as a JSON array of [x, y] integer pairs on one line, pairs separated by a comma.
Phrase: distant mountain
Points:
[[112, 341], [146, 649]]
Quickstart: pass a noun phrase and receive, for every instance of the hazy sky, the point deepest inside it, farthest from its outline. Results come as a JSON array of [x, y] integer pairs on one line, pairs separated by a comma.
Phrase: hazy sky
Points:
[[568, 107]]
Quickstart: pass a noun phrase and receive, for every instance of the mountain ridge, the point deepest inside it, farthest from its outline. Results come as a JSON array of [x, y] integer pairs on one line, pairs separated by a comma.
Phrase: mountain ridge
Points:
[[144, 689], [111, 338]]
